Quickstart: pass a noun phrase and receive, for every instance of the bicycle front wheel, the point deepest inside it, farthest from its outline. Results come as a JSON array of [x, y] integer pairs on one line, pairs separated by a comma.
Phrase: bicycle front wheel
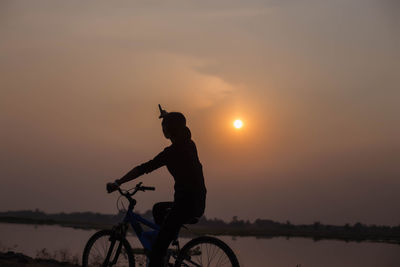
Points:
[[105, 248], [206, 251]]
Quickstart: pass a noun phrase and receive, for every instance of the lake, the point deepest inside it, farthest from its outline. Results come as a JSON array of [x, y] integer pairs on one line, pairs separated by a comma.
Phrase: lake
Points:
[[251, 251]]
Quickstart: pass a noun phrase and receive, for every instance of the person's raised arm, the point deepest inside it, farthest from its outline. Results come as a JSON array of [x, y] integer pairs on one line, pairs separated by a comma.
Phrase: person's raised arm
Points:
[[132, 174], [159, 161]]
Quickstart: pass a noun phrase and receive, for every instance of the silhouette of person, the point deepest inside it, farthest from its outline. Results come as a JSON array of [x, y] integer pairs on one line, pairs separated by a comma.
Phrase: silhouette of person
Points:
[[183, 163]]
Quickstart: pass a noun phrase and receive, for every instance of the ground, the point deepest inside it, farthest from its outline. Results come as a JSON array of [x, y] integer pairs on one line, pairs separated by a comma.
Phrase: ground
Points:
[[12, 259]]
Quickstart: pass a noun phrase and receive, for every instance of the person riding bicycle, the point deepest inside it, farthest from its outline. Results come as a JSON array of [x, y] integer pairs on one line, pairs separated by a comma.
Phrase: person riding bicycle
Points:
[[183, 163]]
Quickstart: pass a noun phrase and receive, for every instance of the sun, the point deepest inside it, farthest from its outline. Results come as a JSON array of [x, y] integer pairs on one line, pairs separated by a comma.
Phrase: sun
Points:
[[238, 124]]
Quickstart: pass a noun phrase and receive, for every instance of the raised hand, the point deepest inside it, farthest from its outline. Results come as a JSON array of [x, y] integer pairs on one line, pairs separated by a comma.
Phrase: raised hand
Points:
[[163, 112]]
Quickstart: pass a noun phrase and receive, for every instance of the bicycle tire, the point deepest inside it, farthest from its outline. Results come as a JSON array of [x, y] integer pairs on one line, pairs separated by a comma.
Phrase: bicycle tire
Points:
[[109, 235], [185, 259]]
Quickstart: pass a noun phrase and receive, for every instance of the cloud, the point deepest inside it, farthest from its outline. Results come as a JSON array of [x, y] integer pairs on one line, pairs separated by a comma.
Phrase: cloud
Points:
[[315, 82]]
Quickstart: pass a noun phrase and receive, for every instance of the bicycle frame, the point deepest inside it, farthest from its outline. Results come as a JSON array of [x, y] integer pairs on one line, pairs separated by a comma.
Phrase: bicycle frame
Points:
[[135, 220], [146, 238], [117, 236]]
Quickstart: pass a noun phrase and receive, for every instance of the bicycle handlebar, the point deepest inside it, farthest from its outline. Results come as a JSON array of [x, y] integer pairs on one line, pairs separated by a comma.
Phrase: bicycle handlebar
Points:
[[137, 188], [150, 188]]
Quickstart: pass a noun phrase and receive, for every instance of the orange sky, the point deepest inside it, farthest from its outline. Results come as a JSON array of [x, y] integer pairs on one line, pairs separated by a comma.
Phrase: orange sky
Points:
[[316, 85]]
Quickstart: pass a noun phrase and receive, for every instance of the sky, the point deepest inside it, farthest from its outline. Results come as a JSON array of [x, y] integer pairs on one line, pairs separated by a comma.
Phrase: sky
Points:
[[316, 84]]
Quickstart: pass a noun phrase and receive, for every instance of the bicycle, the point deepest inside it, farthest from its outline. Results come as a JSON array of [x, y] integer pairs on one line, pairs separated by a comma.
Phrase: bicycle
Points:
[[111, 248]]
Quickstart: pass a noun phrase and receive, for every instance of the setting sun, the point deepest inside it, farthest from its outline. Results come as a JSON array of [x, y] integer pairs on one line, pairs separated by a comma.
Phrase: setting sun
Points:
[[238, 124]]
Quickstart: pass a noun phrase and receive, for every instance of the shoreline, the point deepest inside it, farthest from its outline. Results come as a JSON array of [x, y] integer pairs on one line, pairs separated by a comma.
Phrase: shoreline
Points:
[[193, 230]]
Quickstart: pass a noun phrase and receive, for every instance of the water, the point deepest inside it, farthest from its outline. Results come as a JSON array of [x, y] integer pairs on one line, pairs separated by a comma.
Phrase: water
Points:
[[251, 251]]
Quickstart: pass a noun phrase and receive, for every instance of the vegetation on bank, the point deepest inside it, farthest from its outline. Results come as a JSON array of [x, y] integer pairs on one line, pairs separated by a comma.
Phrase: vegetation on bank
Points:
[[236, 227]]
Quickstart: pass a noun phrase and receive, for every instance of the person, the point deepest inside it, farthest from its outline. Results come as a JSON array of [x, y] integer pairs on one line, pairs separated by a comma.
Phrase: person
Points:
[[182, 161]]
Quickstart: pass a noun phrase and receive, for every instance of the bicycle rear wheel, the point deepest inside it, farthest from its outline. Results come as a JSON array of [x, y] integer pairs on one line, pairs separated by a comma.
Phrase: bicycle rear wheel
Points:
[[105, 248], [206, 251]]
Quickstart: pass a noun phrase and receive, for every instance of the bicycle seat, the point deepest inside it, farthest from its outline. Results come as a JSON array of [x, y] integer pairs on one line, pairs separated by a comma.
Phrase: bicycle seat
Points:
[[193, 220]]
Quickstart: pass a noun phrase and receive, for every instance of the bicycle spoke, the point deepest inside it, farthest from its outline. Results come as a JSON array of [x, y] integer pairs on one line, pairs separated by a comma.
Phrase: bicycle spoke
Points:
[[107, 251], [97, 259], [219, 259], [206, 255], [201, 258], [214, 251]]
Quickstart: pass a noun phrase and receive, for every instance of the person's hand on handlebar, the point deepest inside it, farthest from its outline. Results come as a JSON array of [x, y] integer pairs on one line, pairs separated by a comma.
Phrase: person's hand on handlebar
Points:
[[111, 187], [133, 174]]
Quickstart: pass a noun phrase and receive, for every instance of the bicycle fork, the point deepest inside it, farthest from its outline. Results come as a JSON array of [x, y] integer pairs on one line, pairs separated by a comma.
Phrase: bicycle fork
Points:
[[107, 262], [119, 230]]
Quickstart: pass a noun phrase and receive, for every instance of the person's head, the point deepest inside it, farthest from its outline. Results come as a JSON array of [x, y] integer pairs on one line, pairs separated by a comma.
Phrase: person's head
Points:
[[174, 126]]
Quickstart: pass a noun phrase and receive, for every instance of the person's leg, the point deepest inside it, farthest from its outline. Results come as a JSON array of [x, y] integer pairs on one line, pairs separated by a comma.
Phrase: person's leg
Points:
[[168, 232], [160, 211]]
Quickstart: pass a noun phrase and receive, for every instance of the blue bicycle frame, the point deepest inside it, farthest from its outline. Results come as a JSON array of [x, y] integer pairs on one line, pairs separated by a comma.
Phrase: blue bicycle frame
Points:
[[146, 238], [182, 257]]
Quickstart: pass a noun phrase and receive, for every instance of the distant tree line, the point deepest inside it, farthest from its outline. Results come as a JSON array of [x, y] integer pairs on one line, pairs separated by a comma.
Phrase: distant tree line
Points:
[[237, 227]]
